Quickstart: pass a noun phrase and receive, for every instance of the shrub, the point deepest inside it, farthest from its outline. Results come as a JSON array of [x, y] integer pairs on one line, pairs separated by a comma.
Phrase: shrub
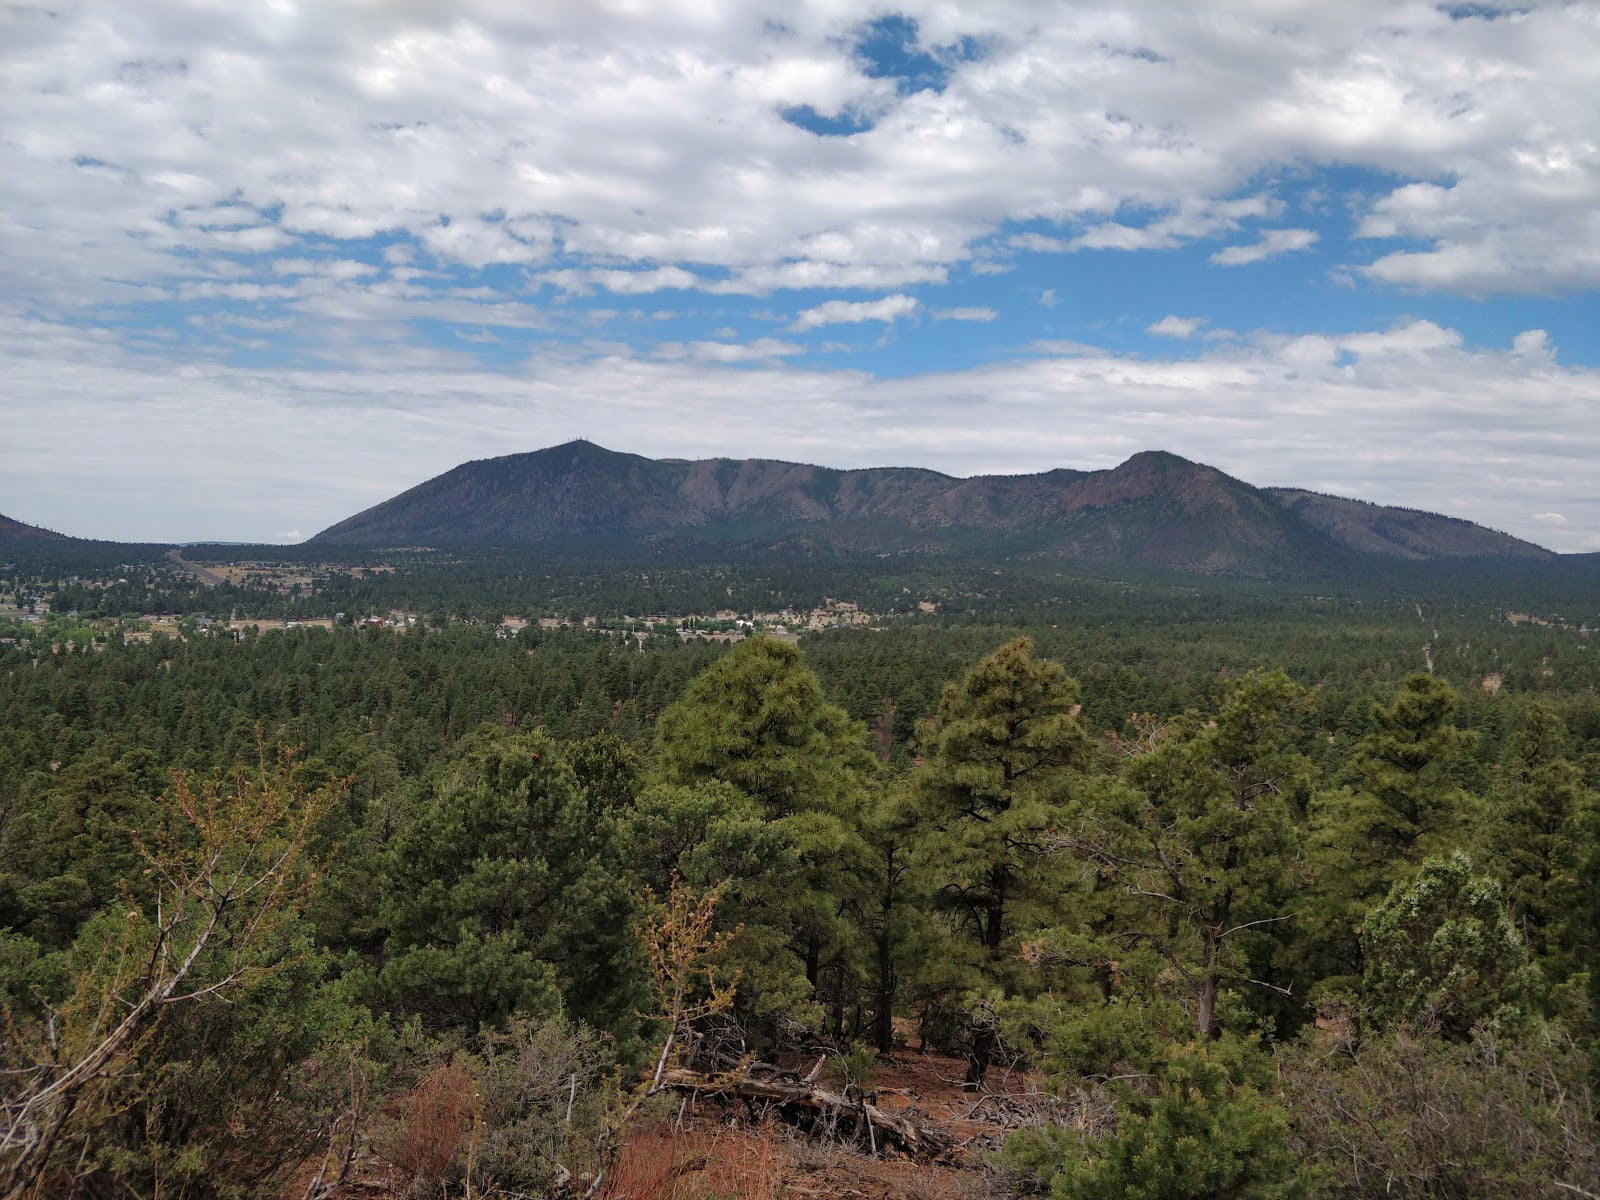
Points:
[[1206, 1129], [1406, 1114]]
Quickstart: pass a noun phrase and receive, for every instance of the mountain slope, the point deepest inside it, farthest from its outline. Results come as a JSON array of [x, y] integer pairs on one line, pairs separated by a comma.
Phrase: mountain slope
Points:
[[1402, 532], [16, 531], [1156, 511]]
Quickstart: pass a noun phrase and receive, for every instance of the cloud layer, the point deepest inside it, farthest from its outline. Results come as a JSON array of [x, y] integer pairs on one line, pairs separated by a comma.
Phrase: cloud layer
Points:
[[658, 143]]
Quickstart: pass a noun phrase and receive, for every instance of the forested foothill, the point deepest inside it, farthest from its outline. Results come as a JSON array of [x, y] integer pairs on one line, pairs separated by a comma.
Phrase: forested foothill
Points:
[[1180, 888]]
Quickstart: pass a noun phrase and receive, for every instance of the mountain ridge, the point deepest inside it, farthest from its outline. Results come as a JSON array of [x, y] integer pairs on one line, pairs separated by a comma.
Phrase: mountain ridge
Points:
[[12, 530], [1155, 510]]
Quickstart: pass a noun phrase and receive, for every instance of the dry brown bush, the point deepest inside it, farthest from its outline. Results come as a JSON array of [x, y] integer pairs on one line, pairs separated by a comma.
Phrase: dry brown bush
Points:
[[660, 1164], [437, 1118]]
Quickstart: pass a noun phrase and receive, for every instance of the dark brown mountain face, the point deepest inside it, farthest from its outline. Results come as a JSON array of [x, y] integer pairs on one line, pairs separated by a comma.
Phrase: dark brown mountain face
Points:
[[1156, 511], [1401, 532], [16, 531]]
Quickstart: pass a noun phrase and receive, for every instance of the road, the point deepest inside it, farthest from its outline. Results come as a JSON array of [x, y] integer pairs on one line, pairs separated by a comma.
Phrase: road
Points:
[[204, 574]]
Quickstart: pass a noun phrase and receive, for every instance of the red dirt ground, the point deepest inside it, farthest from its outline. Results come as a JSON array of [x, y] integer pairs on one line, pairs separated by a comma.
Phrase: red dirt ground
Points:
[[713, 1151]]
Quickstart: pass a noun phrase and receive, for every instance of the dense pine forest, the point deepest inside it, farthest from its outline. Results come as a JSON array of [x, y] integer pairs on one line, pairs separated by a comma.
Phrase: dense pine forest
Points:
[[1200, 893]]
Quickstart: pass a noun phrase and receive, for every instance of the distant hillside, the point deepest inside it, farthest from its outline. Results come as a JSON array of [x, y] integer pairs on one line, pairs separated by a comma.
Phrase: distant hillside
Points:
[[16, 531], [1401, 532], [1156, 511]]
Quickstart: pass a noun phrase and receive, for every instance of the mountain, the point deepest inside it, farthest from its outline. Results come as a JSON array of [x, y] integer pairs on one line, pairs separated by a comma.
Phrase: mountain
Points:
[[16, 531], [1156, 511], [1402, 532]]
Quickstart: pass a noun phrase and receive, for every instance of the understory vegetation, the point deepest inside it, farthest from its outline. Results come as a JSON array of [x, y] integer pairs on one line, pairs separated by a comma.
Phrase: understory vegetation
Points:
[[1264, 910]]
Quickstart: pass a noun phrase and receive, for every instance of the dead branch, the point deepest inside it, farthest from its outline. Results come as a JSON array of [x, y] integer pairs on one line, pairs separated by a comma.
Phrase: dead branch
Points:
[[810, 1107]]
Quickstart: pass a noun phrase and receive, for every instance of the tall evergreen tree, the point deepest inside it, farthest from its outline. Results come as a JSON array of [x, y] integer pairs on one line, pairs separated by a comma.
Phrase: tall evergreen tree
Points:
[[1002, 759], [1201, 841], [756, 721], [1531, 838], [1405, 766], [1403, 803]]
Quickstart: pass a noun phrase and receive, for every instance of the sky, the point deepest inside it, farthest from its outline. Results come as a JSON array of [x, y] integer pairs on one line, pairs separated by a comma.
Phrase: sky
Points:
[[266, 263]]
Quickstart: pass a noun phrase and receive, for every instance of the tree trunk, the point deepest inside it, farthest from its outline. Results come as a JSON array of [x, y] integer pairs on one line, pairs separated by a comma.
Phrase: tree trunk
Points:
[[978, 1059], [1205, 1021], [883, 1012], [983, 1041], [1205, 1017], [840, 1001]]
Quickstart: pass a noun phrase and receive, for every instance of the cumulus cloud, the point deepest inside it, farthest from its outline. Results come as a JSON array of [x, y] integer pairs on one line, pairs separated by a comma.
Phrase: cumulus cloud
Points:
[[847, 312], [964, 314], [1271, 243], [1176, 327], [1190, 220], [333, 268], [626, 283], [762, 349], [1422, 420], [152, 142], [1532, 343]]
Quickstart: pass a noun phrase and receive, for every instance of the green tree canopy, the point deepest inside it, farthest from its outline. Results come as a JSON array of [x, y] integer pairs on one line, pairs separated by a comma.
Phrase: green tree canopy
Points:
[[501, 893], [1003, 758], [1442, 949]]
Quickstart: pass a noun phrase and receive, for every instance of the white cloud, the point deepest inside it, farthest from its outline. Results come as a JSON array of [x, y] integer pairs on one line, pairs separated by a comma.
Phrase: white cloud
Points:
[[964, 314], [626, 283], [759, 281], [1176, 327], [846, 312], [1272, 242], [334, 268], [1068, 348], [1038, 242], [1551, 518], [1190, 220], [1409, 338], [761, 349], [1421, 420], [149, 142], [1532, 343]]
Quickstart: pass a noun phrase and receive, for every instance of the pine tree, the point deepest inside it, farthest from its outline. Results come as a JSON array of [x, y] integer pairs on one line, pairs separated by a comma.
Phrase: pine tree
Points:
[[756, 722], [1200, 841], [501, 893], [1002, 759], [1531, 839], [887, 905], [1405, 765], [1403, 804], [1207, 1129]]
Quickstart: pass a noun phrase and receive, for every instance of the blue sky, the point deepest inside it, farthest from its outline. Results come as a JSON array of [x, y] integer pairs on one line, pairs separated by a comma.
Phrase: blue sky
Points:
[[268, 265]]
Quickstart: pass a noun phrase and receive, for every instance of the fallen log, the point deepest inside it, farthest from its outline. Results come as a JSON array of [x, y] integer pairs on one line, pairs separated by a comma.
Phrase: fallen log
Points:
[[818, 1110]]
